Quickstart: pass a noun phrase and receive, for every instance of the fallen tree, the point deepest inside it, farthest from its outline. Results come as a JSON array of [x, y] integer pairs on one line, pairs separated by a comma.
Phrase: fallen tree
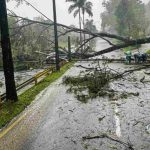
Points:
[[125, 41], [119, 46]]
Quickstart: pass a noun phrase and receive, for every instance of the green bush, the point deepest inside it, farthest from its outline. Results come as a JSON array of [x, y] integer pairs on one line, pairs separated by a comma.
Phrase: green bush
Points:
[[95, 84], [148, 51], [131, 48]]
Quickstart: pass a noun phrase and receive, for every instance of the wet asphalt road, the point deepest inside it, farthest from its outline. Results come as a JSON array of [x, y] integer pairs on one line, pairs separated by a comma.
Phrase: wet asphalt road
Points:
[[56, 120]]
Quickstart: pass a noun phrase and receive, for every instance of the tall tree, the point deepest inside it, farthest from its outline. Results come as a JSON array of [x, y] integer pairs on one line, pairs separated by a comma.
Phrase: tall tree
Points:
[[76, 6], [86, 8], [130, 15], [56, 36], [11, 93], [125, 17], [147, 16], [108, 16]]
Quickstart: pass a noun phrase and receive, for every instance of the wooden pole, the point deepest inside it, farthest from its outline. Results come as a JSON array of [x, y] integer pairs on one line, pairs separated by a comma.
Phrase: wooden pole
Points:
[[11, 93], [69, 49], [56, 36]]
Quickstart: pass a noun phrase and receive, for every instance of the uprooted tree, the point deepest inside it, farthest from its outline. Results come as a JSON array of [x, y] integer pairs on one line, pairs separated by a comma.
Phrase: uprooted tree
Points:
[[124, 41]]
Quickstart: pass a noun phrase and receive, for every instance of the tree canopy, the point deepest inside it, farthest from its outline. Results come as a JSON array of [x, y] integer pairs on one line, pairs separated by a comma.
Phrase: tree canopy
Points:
[[125, 17]]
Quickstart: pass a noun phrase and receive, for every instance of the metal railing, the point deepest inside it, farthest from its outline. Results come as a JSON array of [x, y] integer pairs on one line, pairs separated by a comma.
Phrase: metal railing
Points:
[[34, 79]]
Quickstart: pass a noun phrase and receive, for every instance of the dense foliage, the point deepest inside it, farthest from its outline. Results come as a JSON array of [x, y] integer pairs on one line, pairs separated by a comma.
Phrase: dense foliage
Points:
[[125, 17], [28, 37]]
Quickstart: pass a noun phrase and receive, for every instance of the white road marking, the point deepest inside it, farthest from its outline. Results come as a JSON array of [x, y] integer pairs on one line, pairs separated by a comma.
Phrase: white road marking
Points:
[[117, 119]]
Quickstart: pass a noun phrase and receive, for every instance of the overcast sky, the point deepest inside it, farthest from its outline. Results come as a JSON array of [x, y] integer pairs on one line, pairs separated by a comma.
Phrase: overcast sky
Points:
[[45, 6]]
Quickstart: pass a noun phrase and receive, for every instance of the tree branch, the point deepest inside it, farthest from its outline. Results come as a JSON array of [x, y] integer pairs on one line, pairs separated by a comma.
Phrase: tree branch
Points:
[[116, 47], [128, 145]]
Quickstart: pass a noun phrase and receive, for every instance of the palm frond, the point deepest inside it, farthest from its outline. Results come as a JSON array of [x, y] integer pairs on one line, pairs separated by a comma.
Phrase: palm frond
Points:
[[76, 12], [88, 8], [72, 7]]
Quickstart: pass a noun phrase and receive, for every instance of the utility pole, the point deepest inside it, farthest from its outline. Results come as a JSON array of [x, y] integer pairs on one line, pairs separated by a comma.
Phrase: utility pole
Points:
[[56, 36], [69, 49], [8, 67]]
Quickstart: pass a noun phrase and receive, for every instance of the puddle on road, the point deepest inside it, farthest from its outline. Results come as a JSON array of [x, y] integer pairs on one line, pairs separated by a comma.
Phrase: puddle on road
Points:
[[148, 128]]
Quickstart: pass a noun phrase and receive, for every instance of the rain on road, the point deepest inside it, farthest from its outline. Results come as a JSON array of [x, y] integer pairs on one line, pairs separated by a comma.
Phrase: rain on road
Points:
[[56, 120]]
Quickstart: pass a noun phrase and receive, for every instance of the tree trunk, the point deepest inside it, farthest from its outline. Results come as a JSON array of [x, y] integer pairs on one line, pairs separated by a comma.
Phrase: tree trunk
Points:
[[56, 36], [69, 49], [11, 93], [119, 46]]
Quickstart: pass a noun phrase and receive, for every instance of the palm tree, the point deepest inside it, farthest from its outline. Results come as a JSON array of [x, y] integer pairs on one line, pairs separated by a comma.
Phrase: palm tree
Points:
[[89, 25], [86, 8], [77, 6]]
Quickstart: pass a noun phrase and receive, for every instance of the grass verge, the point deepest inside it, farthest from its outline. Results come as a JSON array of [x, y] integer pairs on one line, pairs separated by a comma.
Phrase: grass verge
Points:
[[148, 51], [10, 110], [131, 48]]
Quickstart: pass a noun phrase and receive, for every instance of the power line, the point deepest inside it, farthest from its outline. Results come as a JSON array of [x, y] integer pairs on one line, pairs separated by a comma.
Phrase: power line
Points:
[[44, 23], [37, 10]]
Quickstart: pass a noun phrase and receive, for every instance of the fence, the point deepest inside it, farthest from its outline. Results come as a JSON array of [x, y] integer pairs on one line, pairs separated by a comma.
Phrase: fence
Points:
[[34, 79]]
